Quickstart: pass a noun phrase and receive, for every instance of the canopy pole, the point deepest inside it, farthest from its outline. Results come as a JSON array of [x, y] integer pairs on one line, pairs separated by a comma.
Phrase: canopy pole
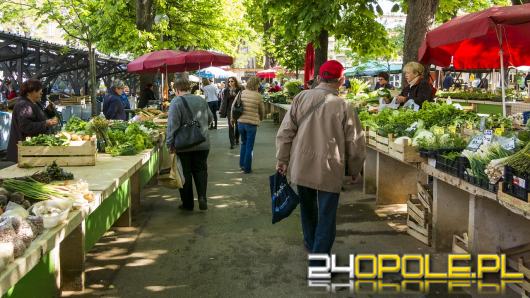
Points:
[[502, 84]]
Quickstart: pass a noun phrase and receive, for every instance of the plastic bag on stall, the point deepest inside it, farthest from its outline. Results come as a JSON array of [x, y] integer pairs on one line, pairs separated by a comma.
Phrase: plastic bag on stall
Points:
[[392, 105], [410, 104]]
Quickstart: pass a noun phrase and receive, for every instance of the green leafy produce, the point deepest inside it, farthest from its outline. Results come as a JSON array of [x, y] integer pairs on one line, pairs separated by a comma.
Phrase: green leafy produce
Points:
[[75, 124], [480, 159], [453, 155], [46, 140], [126, 148], [524, 136], [497, 121], [520, 161], [99, 125], [293, 87], [150, 125]]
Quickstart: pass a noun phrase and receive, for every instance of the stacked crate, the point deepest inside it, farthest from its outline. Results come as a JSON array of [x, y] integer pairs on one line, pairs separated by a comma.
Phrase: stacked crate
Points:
[[419, 215]]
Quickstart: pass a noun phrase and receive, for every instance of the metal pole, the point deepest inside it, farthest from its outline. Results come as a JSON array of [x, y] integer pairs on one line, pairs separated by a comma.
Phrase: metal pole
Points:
[[502, 84]]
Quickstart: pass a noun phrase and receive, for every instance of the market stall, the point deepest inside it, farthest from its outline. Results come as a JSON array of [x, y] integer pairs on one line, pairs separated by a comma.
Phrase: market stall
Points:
[[54, 260]]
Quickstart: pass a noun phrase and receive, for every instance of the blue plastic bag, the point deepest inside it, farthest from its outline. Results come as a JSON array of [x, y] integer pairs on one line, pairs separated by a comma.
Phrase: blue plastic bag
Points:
[[284, 199]]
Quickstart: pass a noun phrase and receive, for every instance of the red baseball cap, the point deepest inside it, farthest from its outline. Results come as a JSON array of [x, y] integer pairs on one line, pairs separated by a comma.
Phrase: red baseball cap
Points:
[[331, 69]]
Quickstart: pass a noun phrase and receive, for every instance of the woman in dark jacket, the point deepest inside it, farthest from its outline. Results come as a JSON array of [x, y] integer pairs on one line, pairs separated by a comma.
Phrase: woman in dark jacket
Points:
[[418, 88], [28, 119], [146, 95], [112, 105], [229, 95]]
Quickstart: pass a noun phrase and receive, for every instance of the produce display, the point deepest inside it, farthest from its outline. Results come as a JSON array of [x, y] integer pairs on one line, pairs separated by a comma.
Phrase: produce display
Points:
[[46, 140], [473, 147], [147, 114]]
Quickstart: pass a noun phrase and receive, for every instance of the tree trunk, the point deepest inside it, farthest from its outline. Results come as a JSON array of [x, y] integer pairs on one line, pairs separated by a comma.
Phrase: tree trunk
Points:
[[92, 72], [144, 15], [420, 17], [144, 21], [321, 51]]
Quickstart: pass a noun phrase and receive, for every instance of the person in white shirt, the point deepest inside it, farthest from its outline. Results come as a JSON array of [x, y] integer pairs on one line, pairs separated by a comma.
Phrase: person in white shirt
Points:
[[210, 93]]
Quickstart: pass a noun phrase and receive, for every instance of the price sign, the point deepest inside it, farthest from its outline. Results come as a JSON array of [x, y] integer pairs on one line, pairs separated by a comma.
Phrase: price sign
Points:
[[509, 145], [499, 131], [475, 143], [438, 131], [488, 136]]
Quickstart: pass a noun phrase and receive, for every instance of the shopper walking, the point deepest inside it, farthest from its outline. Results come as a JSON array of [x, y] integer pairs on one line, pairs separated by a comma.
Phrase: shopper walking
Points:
[[229, 95], [28, 119], [112, 104], [210, 93], [194, 159], [253, 113], [319, 138]]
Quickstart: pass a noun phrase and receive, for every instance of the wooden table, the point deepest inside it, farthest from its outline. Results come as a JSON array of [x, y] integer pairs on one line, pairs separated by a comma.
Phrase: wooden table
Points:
[[55, 260], [492, 222]]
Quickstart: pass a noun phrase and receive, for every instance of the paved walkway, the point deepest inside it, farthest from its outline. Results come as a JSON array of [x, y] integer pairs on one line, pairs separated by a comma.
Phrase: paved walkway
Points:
[[232, 250]]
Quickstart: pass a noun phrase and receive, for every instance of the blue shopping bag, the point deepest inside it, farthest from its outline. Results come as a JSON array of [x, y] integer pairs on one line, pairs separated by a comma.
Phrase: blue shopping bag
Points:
[[284, 199]]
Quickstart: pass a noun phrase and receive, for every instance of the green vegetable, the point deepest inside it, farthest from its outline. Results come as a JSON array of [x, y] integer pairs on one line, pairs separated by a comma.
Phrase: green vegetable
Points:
[[46, 140], [35, 190], [75, 124], [520, 161]]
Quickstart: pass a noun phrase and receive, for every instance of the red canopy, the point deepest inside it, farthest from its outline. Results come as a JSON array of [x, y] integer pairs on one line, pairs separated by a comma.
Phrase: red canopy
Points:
[[472, 40], [267, 74], [151, 62], [173, 61], [309, 66]]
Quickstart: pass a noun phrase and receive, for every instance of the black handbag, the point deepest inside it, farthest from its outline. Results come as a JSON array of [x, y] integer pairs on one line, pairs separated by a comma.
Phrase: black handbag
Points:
[[237, 110], [189, 133]]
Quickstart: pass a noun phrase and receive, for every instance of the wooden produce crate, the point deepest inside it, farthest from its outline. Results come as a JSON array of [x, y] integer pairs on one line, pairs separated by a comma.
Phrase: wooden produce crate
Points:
[[460, 244], [75, 100], [78, 153], [382, 142], [371, 137], [404, 152], [418, 220], [518, 259], [425, 196]]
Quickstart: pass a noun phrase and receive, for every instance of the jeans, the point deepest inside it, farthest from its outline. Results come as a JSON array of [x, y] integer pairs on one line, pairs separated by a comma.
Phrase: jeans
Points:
[[319, 213], [248, 136], [233, 132], [194, 165], [214, 107]]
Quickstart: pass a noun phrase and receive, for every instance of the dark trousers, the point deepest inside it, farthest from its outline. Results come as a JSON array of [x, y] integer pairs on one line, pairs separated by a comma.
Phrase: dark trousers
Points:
[[233, 132], [319, 213], [194, 166], [214, 107]]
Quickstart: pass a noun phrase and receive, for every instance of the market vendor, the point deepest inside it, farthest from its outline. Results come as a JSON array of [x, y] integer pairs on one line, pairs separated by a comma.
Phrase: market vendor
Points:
[[383, 79], [418, 88], [28, 119], [112, 104]]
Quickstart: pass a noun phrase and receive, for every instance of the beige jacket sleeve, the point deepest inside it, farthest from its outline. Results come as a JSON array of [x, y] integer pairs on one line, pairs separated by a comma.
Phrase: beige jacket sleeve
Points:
[[355, 142], [286, 134]]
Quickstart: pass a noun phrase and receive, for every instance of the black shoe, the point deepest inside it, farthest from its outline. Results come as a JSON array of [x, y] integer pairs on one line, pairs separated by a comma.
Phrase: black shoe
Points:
[[181, 207], [202, 204], [237, 143], [232, 146]]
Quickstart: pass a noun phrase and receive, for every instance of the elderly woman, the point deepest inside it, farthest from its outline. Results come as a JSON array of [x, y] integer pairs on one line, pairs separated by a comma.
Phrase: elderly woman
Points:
[[28, 119], [253, 113], [418, 88], [194, 159], [112, 104]]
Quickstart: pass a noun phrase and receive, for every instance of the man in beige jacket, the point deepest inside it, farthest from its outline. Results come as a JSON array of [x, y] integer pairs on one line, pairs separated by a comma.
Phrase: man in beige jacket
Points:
[[319, 140]]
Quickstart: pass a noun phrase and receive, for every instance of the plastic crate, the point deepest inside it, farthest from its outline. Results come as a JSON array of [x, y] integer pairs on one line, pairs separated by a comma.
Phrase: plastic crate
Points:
[[516, 184], [454, 167], [481, 182]]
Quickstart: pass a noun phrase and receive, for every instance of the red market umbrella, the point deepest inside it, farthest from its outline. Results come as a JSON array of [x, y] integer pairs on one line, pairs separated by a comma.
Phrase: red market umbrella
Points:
[[266, 74], [152, 62], [309, 66], [194, 60], [497, 37]]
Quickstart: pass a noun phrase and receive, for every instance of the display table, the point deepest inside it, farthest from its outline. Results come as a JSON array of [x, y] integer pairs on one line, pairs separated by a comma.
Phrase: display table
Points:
[[55, 260], [490, 106], [492, 222]]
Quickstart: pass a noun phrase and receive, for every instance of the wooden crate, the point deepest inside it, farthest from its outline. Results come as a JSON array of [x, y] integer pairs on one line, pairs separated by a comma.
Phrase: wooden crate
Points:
[[518, 259], [460, 244], [372, 136], [79, 153], [382, 143], [75, 100], [404, 152], [425, 196], [418, 220]]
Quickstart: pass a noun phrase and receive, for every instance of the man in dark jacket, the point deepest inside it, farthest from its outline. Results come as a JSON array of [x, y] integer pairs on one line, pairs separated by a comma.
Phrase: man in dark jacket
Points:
[[112, 105], [146, 95]]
